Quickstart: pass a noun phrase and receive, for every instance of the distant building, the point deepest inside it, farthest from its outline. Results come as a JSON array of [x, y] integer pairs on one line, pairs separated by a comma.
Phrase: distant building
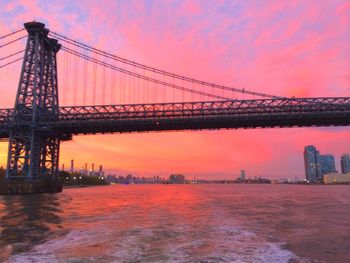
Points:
[[72, 166], [128, 179], [111, 178], [243, 174], [100, 171], [327, 164], [312, 165], [336, 178], [177, 179], [345, 163]]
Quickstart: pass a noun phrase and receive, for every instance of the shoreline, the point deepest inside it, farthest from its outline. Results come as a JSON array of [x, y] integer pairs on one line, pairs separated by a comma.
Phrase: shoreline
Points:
[[82, 186]]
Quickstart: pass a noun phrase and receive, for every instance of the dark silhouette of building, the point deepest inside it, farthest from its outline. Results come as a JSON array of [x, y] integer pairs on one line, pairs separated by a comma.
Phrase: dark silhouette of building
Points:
[[72, 166], [327, 164], [345, 163], [177, 179]]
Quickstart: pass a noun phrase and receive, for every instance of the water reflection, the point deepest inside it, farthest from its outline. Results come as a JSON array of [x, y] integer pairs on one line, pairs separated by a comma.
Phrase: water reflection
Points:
[[178, 223], [27, 220]]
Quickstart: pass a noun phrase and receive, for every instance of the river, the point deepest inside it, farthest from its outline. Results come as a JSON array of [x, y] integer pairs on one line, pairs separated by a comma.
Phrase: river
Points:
[[178, 223]]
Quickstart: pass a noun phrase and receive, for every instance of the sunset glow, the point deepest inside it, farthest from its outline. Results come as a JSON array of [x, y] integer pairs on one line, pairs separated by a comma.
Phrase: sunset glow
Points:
[[287, 48]]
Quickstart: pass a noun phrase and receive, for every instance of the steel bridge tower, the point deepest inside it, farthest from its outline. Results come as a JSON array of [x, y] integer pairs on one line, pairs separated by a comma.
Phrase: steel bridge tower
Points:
[[33, 151]]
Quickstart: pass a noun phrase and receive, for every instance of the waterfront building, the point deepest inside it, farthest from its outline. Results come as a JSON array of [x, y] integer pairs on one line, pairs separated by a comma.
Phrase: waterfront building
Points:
[[336, 178], [327, 164], [312, 164], [100, 172], [128, 179], [345, 163], [243, 174], [72, 166], [177, 179]]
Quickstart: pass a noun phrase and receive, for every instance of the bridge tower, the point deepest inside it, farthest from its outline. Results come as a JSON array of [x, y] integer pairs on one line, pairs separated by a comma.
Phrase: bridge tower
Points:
[[34, 149]]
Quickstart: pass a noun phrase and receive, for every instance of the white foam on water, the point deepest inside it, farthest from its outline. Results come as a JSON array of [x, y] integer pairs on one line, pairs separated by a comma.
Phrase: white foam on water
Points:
[[225, 243], [230, 244], [54, 250], [220, 240]]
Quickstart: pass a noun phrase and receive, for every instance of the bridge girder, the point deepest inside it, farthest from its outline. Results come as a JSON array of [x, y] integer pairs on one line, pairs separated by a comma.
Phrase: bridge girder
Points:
[[235, 114]]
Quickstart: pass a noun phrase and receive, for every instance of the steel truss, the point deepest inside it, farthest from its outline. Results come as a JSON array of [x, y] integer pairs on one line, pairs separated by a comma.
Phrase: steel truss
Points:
[[33, 153], [264, 113]]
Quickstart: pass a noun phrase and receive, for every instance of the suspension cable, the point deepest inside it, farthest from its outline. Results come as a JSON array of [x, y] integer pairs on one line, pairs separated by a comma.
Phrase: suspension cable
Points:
[[133, 74], [11, 55], [158, 71], [12, 33], [9, 63], [13, 41]]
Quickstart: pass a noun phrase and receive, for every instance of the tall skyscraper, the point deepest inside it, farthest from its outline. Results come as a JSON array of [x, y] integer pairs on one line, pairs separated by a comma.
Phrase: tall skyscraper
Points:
[[242, 177], [327, 164], [345, 163], [72, 166], [100, 172], [312, 165]]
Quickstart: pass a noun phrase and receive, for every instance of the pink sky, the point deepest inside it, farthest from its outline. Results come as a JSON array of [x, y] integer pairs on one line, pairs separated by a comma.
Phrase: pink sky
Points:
[[288, 48]]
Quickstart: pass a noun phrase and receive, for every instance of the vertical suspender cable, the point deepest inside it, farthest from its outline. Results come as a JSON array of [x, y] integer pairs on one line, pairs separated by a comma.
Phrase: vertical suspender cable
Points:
[[75, 78], [65, 86], [112, 87], [85, 80], [104, 83], [136, 87], [68, 80], [183, 92], [192, 94], [164, 91], [122, 92], [154, 90], [145, 99], [128, 90], [94, 82]]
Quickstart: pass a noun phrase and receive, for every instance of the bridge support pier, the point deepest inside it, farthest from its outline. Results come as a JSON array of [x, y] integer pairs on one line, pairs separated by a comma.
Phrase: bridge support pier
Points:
[[21, 186], [33, 153]]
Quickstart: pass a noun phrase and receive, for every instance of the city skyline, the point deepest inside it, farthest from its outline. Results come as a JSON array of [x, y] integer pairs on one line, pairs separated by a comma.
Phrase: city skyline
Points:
[[317, 165], [345, 163], [274, 57], [326, 161]]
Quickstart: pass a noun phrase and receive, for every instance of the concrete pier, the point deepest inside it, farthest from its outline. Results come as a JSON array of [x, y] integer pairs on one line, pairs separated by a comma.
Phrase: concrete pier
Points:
[[30, 187]]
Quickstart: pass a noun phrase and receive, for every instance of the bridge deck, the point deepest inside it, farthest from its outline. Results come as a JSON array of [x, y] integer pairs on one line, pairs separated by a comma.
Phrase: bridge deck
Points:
[[263, 113]]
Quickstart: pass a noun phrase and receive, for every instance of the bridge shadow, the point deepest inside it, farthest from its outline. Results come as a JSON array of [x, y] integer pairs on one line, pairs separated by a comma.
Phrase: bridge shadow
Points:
[[26, 221]]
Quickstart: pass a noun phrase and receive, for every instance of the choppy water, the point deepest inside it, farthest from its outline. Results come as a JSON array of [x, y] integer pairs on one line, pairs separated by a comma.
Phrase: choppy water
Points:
[[178, 223]]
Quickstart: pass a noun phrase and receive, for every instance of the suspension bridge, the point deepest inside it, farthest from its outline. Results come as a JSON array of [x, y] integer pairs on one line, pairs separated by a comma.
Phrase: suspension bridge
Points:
[[118, 95]]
